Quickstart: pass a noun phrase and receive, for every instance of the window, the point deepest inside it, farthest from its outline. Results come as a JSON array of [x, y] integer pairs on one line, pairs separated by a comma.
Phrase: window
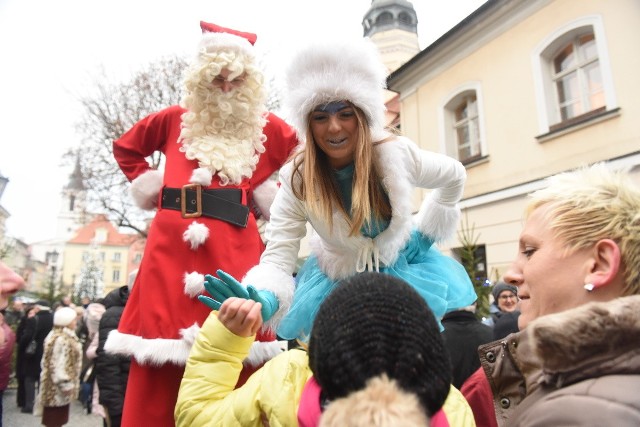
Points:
[[137, 258], [384, 18], [466, 128], [462, 125], [572, 75], [115, 276], [116, 257], [577, 79], [405, 18], [100, 235]]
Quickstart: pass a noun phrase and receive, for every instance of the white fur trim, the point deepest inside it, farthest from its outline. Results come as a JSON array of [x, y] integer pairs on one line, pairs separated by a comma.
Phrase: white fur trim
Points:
[[436, 220], [271, 278], [263, 196], [157, 352], [262, 352], [196, 234], [339, 260], [145, 189], [333, 71], [215, 42], [160, 351], [201, 176], [193, 284]]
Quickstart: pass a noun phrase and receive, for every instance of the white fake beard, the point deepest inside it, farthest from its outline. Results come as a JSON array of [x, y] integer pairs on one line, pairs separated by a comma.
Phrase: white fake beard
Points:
[[225, 135]]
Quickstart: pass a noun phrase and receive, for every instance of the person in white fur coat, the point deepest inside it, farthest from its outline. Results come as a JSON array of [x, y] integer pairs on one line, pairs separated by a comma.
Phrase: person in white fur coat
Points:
[[354, 182], [221, 145]]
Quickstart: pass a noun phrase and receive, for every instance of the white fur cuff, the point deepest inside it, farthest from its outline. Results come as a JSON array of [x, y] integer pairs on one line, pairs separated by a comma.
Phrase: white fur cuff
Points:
[[436, 220], [271, 278], [263, 196], [145, 189]]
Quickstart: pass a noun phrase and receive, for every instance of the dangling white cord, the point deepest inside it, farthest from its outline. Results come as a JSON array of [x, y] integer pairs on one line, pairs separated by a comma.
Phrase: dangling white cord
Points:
[[368, 258]]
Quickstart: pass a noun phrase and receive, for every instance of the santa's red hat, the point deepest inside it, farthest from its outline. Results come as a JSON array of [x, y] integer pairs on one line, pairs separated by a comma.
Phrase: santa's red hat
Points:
[[208, 27], [215, 37]]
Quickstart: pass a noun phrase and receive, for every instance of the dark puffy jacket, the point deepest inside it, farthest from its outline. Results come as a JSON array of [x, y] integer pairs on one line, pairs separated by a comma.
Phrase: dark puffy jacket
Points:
[[38, 329], [112, 371], [463, 334]]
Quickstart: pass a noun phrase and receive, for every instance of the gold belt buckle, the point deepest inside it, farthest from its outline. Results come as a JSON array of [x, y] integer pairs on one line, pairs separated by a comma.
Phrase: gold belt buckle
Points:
[[183, 201]]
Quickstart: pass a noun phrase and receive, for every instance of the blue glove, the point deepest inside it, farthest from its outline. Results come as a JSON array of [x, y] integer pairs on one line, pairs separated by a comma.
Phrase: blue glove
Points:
[[268, 300], [221, 289], [227, 286]]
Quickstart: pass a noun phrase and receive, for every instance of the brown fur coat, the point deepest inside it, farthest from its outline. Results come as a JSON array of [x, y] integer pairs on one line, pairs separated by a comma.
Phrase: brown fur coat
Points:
[[61, 364]]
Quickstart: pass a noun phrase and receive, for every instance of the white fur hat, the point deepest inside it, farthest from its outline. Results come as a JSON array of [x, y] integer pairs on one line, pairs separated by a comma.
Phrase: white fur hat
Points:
[[64, 316], [215, 38], [339, 70]]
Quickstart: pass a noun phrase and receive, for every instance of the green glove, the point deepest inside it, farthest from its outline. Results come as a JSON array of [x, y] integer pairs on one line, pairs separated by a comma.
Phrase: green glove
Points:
[[268, 300], [221, 289], [226, 286]]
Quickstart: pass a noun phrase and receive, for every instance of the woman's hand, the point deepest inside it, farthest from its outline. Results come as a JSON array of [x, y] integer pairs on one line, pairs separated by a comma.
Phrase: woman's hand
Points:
[[226, 286]]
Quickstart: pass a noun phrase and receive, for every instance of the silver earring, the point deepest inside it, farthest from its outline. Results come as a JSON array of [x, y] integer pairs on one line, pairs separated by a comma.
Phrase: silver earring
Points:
[[589, 287]]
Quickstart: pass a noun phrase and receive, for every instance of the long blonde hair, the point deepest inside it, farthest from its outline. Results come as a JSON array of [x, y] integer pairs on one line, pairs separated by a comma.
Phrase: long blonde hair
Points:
[[317, 187]]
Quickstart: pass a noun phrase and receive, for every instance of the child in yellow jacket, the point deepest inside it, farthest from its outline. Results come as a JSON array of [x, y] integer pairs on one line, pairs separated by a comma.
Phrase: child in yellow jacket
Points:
[[375, 355]]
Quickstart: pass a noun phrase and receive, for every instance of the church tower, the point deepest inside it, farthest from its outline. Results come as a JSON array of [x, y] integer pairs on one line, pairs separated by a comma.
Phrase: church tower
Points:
[[72, 213], [393, 26]]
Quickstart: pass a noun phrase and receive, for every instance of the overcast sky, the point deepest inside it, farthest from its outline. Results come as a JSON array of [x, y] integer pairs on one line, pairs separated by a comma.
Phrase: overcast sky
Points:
[[51, 49]]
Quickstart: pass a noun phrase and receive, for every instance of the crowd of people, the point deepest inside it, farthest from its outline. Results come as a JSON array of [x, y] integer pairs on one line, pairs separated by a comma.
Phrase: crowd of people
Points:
[[64, 362], [383, 325]]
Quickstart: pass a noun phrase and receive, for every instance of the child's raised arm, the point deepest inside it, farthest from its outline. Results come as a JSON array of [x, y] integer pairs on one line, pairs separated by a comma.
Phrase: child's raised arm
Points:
[[241, 316]]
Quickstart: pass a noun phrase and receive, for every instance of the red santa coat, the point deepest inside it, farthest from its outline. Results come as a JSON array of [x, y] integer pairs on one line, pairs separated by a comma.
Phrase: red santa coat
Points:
[[163, 314]]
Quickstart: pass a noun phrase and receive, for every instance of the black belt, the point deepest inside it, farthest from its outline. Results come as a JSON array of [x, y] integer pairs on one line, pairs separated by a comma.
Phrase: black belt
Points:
[[192, 201]]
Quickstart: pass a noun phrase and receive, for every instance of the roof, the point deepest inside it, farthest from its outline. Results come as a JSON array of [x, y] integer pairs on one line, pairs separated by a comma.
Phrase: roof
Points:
[[459, 28], [86, 235]]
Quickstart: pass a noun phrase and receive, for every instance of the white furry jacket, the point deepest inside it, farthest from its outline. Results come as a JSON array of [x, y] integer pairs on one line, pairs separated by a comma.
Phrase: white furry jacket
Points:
[[403, 166], [61, 363], [579, 367]]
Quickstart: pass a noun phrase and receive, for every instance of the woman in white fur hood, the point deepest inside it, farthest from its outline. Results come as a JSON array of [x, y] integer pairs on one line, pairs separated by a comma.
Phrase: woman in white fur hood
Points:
[[354, 183]]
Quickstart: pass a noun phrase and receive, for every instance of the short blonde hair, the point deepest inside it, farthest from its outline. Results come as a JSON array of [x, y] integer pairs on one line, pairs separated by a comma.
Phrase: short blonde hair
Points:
[[594, 203]]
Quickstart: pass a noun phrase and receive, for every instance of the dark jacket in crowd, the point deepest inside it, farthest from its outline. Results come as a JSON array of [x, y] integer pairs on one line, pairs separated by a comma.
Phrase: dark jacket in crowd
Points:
[[31, 364], [505, 325], [20, 393], [463, 334], [112, 371]]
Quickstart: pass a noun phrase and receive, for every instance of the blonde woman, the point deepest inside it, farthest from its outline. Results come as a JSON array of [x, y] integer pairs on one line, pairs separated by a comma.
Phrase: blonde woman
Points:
[[575, 360]]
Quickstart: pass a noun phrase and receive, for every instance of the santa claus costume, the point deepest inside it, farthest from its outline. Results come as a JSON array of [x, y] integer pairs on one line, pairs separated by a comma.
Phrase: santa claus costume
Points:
[[220, 148]]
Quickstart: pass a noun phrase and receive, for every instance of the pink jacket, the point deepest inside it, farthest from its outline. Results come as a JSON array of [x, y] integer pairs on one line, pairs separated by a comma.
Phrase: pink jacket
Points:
[[6, 350]]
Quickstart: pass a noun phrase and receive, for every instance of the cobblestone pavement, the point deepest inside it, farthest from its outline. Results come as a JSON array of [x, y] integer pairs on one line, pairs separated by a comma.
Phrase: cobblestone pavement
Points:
[[12, 417]]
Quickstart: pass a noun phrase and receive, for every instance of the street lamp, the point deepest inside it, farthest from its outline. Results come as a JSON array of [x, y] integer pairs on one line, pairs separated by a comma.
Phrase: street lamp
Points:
[[52, 259]]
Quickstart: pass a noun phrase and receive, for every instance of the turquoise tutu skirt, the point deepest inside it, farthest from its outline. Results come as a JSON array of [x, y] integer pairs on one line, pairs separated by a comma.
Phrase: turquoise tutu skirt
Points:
[[439, 279]]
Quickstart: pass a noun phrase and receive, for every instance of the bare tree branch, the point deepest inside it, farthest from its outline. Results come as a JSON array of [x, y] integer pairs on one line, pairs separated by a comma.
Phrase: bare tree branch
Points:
[[107, 114], [111, 110]]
